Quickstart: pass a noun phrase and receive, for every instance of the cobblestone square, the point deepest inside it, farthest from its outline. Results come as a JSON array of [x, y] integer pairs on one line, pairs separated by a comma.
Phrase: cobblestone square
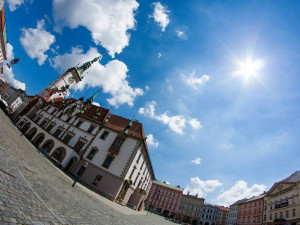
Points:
[[33, 191]]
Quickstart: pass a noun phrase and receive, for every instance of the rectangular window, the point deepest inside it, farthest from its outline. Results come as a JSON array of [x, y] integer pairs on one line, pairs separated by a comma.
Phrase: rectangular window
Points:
[[107, 162], [68, 119], [67, 138], [294, 212], [78, 123], [38, 119], [43, 123], [53, 112], [281, 215], [117, 143], [90, 130], [270, 216], [78, 146], [57, 132], [104, 135], [275, 217], [287, 214]]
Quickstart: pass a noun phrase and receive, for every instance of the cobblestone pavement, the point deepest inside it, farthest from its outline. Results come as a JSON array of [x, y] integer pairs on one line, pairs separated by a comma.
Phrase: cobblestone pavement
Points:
[[33, 191]]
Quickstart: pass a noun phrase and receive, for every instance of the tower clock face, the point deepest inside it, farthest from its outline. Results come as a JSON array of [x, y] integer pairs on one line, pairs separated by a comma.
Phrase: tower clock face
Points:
[[71, 80]]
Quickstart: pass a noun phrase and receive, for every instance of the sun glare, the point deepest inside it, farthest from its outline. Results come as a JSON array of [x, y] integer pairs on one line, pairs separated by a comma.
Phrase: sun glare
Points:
[[250, 68]]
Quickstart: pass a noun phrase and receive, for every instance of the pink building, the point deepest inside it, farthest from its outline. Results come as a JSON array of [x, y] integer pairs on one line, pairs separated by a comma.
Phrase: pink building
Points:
[[164, 199]]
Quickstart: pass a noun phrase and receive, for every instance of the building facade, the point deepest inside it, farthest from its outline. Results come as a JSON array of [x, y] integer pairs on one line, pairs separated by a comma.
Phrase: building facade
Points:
[[190, 208], [73, 132], [164, 199], [233, 212], [209, 214], [251, 211], [223, 215], [13, 97], [3, 39], [282, 202]]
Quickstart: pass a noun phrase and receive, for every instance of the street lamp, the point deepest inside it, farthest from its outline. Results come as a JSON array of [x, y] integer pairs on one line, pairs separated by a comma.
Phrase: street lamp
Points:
[[79, 173]]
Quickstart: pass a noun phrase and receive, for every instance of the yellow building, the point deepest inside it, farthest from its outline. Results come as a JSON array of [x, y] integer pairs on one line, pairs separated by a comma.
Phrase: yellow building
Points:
[[281, 203]]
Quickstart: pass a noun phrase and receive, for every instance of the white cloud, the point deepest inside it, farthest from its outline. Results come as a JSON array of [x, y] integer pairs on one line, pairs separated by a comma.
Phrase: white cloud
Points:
[[159, 55], [112, 77], [151, 141], [8, 72], [161, 16], [176, 123], [239, 191], [14, 4], [96, 104], [196, 161], [147, 88], [107, 20], [181, 34], [195, 81], [37, 41], [195, 123], [200, 187]]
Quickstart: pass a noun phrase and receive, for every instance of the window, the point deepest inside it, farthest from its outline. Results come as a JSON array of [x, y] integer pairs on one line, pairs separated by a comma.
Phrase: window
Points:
[[281, 215], [104, 135], [49, 128], [92, 154], [258, 219], [117, 143], [137, 161], [107, 162], [58, 132], [293, 199], [37, 119], [43, 123], [67, 138], [97, 180], [78, 123], [294, 212], [287, 214], [68, 119], [53, 112], [79, 145], [90, 130], [270, 216], [275, 217]]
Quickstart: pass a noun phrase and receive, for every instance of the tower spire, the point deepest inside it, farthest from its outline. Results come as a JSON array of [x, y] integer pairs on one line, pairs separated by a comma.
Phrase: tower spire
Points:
[[88, 64], [91, 99]]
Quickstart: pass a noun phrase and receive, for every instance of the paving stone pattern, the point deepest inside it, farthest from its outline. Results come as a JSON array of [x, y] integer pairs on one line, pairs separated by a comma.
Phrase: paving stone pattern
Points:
[[33, 191]]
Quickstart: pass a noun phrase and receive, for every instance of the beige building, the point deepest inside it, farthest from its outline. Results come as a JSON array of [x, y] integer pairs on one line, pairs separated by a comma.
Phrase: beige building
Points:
[[190, 208], [281, 203]]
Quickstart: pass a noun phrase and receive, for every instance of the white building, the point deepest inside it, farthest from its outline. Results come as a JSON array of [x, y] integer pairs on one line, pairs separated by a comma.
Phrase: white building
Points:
[[209, 215]]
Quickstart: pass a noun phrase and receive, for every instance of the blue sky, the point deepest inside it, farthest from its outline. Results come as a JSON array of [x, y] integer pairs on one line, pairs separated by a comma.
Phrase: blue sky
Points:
[[179, 68]]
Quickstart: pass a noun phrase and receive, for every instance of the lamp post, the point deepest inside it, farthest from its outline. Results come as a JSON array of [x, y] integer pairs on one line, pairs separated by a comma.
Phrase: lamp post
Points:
[[79, 173]]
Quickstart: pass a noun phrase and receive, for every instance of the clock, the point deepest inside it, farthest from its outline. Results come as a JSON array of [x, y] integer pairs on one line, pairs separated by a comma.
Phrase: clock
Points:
[[71, 80]]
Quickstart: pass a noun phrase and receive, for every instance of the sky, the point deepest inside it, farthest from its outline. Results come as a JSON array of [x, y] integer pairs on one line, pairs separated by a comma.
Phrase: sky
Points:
[[215, 83]]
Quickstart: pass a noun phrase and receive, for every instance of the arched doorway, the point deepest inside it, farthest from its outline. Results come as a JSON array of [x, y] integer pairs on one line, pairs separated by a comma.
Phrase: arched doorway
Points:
[[48, 145], [30, 134], [38, 140], [59, 154], [71, 164]]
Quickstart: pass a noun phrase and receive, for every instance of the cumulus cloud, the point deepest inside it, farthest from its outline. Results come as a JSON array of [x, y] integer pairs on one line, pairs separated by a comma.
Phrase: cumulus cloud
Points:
[[14, 4], [200, 187], [239, 191], [195, 81], [112, 77], [96, 104], [195, 123], [36, 41], [151, 141], [8, 72], [107, 20], [181, 34], [176, 123], [196, 161], [160, 15]]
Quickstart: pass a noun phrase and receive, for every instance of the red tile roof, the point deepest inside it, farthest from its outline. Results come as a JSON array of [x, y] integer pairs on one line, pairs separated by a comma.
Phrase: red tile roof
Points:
[[224, 208]]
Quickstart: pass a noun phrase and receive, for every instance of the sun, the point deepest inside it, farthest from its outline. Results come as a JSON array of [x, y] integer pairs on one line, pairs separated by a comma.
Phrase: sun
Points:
[[250, 68]]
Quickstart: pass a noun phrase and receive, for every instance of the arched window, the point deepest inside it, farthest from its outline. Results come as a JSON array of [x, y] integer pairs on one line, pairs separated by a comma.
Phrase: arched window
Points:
[[97, 180], [92, 153]]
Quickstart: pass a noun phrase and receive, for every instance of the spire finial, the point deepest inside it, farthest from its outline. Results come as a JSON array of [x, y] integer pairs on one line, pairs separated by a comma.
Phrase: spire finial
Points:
[[91, 99]]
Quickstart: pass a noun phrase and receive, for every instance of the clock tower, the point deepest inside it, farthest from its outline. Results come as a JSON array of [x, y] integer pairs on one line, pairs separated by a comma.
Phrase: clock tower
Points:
[[61, 86]]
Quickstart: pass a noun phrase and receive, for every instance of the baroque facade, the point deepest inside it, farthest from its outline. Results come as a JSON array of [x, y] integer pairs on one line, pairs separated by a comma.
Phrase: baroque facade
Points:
[[282, 202]]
